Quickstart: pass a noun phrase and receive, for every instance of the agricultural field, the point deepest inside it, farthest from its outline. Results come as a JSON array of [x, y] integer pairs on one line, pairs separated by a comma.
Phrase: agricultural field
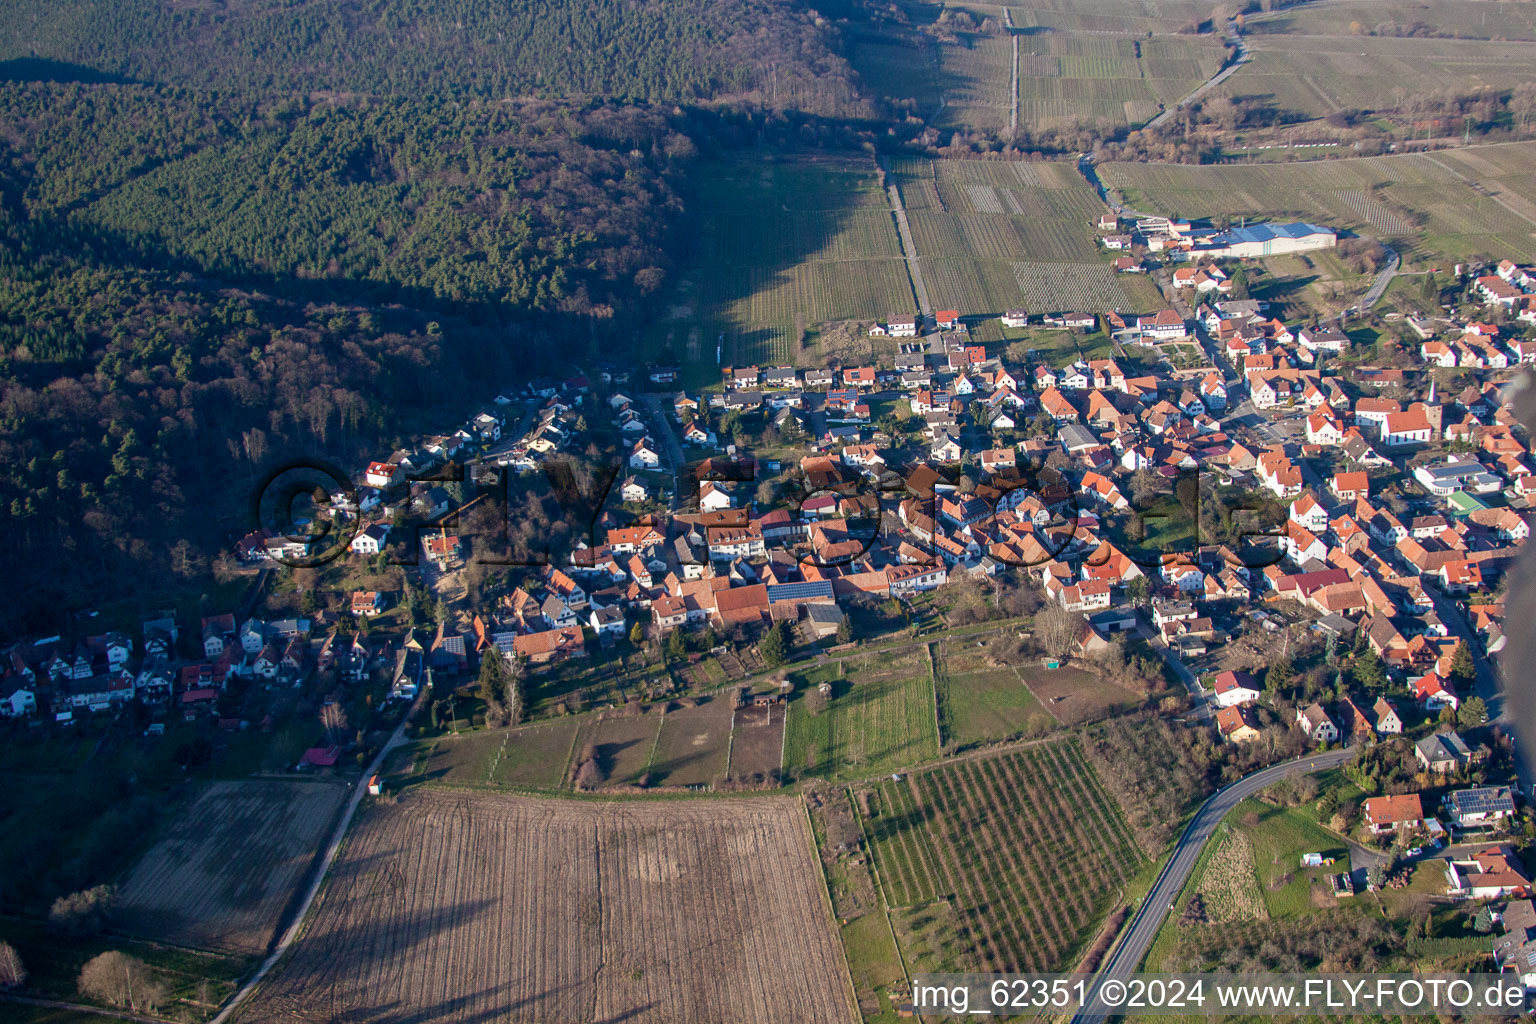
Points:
[[996, 235], [981, 702], [691, 749], [757, 742], [778, 247], [1440, 206], [622, 744], [1112, 17], [975, 73], [1025, 849], [881, 717], [222, 876], [1465, 19], [458, 908], [1070, 78], [1319, 75], [1075, 695]]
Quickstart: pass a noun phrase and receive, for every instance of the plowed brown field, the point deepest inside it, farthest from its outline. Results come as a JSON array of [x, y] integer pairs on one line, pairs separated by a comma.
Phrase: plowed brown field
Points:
[[480, 907], [223, 875]]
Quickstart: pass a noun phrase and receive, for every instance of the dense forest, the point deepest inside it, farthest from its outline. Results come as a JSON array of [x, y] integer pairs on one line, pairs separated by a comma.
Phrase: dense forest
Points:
[[190, 288], [237, 230], [765, 52]]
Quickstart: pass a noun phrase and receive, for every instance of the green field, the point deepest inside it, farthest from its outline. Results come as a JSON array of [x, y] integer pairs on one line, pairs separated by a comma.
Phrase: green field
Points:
[[981, 702], [780, 244], [881, 717], [1026, 848], [1426, 201]]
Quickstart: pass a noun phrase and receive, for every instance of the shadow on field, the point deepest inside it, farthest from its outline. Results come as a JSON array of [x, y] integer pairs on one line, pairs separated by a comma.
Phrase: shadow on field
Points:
[[891, 826]]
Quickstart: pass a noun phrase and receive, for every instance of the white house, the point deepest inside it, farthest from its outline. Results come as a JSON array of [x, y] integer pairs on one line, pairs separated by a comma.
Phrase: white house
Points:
[[1234, 689], [371, 540], [644, 455], [1314, 721]]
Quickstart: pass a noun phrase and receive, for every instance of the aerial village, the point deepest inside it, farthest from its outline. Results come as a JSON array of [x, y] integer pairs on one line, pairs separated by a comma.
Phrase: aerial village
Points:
[[1209, 477]]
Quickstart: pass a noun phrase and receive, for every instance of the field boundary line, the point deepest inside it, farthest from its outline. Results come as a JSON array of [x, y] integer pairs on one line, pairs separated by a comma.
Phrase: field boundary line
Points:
[[885, 896], [59, 1004], [850, 993]]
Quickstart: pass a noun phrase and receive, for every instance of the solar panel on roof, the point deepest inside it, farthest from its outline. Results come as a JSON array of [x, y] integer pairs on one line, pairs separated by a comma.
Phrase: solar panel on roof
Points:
[[799, 591]]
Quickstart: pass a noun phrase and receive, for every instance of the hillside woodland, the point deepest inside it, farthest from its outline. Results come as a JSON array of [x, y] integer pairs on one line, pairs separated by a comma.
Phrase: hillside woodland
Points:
[[760, 52], [192, 286]]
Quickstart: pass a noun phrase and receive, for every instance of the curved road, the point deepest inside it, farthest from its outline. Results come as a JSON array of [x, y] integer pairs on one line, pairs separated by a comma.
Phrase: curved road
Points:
[[1236, 39], [1126, 957]]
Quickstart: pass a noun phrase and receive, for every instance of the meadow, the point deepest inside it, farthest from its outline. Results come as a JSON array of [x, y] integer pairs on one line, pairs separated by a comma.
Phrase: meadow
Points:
[[1024, 849], [980, 701], [881, 717]]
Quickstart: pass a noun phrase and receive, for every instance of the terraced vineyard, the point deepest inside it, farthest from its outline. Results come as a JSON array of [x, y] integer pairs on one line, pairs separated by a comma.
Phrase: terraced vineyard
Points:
[[1450, 205], [1026, 848], [1067, 78], [780, 245], [1318, 75]]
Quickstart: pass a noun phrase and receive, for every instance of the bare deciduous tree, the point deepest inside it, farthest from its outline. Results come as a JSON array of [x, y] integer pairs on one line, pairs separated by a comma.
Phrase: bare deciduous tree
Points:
[[334, 718], [121, 980], [13, 973], [1057, 630]]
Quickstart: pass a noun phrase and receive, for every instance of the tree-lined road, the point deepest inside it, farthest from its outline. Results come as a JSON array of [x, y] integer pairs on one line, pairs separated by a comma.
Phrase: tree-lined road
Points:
[[1126, 957]]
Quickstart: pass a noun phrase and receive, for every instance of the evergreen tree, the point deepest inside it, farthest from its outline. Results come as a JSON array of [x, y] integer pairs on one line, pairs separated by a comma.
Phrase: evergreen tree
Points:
[[1279, 677], [677, 644], [1463, 667], [1368, 671], [774, 647], [637, 634], [1474, 712]]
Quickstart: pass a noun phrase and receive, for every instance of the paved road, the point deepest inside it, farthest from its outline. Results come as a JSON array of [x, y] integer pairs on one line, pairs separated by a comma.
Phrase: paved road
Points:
[[1236, 39], [908, 246], [669, 446], [291, 935], [1383, 278], [1144, 926]]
